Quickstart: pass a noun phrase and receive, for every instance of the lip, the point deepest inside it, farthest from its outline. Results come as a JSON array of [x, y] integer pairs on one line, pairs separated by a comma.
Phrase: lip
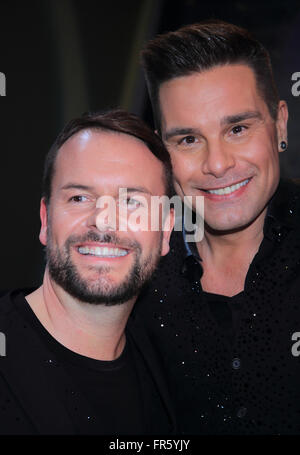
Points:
[[225, 186], [97, 259], [226, 197], [101, 245]]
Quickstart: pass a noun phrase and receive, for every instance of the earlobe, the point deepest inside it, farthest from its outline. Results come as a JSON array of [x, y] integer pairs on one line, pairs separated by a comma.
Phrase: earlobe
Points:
[[167, 231], [44, 222]]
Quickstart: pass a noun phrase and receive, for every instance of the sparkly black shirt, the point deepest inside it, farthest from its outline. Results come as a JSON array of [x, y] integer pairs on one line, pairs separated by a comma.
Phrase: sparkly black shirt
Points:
[[234, 363]]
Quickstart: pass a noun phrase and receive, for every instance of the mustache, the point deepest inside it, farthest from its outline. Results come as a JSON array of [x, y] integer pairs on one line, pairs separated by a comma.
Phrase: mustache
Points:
[[107, 237]]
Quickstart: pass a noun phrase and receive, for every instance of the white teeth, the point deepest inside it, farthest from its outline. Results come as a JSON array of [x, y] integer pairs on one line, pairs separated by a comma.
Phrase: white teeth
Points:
[[228, 189], [103, 251]]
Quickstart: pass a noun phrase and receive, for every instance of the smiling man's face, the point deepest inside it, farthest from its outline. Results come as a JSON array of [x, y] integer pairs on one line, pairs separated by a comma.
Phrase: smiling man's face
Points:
[[223, 143], [93, 261]]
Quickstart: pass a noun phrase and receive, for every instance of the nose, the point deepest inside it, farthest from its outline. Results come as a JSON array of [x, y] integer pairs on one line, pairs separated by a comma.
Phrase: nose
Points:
[[219, 158], [104, 216]]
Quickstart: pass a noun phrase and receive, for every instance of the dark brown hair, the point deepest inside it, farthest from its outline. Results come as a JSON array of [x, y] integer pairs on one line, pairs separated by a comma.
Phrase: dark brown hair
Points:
[[202, 46], [118, 121]]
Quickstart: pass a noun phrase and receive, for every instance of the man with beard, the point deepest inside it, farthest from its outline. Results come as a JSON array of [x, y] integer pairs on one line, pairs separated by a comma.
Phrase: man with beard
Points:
[[74, 363], [225, 310]]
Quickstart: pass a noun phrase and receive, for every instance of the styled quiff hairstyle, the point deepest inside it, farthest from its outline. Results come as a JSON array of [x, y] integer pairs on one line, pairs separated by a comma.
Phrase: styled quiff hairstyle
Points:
[[116, 121], [203, 46]]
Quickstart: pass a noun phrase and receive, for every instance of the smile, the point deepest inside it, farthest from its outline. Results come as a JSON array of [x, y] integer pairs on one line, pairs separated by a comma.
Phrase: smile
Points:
[[102, 252], [228, 189]]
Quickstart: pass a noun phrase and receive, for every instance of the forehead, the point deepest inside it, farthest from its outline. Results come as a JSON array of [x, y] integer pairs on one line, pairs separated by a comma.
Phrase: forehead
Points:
[[212, 94], [107, 160]]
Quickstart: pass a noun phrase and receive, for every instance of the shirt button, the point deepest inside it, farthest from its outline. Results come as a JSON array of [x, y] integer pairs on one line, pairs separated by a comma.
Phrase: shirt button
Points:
[[241, 412], [236, 363]]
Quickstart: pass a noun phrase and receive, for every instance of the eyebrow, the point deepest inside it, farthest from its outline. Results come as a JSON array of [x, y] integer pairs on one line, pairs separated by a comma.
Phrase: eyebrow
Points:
[[180, 132], [76, 186], [228, 120], [236, 118], [138, 189]]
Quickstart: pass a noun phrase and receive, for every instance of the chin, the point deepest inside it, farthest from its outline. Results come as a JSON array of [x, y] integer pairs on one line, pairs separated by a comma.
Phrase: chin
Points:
[[228, 224]]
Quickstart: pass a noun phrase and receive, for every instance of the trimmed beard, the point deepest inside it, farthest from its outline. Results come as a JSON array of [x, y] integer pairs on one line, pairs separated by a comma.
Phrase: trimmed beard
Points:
[[65, 274]]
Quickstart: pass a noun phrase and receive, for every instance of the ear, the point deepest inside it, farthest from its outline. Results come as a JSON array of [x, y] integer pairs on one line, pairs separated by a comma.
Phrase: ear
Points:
[[281, 123], [168, 226], [44, 222]]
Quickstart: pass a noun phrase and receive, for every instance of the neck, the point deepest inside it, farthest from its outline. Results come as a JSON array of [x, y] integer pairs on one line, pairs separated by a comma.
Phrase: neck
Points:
[[227, 256], [95, 331], [227, 246]]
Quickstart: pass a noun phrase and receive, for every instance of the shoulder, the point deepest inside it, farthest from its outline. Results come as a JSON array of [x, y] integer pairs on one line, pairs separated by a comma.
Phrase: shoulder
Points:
[[172, 263], [168, 279], [9, 300], [285, 204], [288, 188], [7, 307], [12, 320]]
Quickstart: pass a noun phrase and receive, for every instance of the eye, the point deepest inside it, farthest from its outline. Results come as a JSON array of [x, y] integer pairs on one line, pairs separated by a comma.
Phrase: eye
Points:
[[238, 129], [131, 203], [187, 140], [78, 198]]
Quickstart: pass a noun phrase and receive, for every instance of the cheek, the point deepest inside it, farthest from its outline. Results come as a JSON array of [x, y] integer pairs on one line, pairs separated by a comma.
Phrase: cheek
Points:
[[262, 149], [263, 155], [185, 168], [148, 241], [63, 224]]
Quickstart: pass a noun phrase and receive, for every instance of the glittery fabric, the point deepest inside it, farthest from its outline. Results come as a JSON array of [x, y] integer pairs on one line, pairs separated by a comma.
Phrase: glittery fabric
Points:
[[250, 386]]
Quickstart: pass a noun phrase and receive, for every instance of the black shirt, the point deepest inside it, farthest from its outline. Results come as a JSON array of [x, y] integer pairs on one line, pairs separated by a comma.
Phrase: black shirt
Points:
[[46, 388], [226, 311], [231, 362], [110, 387]]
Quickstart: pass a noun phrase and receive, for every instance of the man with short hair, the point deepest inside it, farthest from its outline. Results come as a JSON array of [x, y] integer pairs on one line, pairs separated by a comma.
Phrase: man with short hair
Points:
[[76, 361], [225, 310]]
